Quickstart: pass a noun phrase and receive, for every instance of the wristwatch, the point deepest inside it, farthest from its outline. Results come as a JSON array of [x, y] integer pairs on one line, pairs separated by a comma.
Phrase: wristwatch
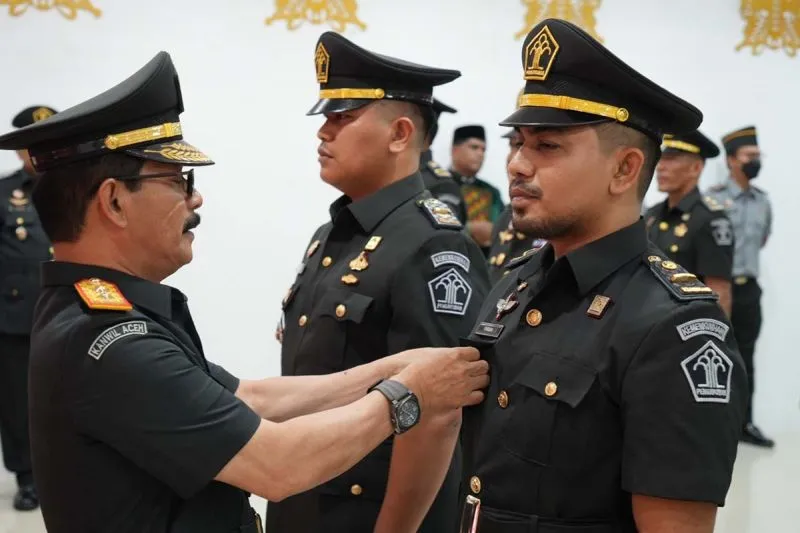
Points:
[[404, 411]]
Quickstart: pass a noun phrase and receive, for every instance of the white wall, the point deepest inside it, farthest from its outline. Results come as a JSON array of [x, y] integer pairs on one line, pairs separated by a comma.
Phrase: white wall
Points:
[[247, 87]]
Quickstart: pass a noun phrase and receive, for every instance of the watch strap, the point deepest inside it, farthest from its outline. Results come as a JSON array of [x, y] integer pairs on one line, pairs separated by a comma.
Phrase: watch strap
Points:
[[393, 390]]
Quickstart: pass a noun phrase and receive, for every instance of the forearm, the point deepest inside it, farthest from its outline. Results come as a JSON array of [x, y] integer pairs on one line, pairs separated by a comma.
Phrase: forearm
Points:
[[286, 397], [657, 515], [420, 460], [294, 456]]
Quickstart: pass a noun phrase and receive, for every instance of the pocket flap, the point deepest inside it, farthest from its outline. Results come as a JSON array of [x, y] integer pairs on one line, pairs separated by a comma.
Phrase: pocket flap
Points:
[[557, 378], [344, 305]]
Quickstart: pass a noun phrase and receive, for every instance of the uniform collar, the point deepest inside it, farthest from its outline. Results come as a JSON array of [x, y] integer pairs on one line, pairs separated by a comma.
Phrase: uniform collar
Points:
[[426, 157], [155, 297], [594, 262], [689, 201], [370, 211]]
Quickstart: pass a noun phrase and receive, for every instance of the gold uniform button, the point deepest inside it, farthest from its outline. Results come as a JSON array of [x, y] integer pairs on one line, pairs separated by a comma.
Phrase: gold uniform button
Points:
[[550, 389], [20, 221], [533, 318], [502, 399], [14, 292], [501, 258], [302, 321], [327, 261], [663, 226], [356, 490], [673, 248], [475, 484], [341, 310]]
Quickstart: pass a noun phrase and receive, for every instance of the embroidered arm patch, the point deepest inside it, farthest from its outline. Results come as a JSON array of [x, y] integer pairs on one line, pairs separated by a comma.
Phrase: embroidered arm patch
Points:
[[451, 258], [709, 371], [450, 293], [722, 232], [115, 333]]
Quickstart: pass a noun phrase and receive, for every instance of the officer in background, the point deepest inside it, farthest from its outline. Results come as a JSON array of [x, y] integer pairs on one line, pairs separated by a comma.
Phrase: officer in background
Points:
[[438, 179], [750, 212], [508, 243], [23, 246], [132, 429], [691, 229], [616, 394], [391, 270], [483, 200]]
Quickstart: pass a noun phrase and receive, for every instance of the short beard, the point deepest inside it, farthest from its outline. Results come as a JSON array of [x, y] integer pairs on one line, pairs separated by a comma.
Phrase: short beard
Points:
[[548, 229]]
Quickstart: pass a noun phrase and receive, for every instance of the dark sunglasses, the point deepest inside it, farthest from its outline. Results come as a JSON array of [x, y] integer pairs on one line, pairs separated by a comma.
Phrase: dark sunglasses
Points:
[[186, 179]]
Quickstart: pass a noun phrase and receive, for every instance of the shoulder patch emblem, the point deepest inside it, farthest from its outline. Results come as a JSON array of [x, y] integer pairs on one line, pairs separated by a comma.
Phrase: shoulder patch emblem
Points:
[[440, 213], [438, 170], [703, 326], [709, 371], [713, 204], [450, 293], [722, 231], [683, 285], [115, 333], [99, 294], [451, 258]]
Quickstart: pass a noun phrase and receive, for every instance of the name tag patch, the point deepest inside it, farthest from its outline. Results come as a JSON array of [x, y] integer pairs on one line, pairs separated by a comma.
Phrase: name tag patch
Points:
[[709, 371], [703, 326], [115, 333], [450, 258], [489, 329]]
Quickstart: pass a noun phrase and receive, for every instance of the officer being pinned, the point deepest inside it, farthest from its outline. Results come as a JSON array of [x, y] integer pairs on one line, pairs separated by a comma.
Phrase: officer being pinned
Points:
[[391, 270], [616, 396]]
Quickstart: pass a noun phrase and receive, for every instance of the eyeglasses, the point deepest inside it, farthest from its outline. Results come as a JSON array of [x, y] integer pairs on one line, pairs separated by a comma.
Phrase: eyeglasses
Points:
[[186, 179]]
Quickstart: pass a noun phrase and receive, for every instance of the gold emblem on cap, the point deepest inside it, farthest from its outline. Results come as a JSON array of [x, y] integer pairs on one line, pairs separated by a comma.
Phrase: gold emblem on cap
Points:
[[181, 152], [322, 61], [67, 8], [540, 54], [142, 135], [336, 13], [41, 114]]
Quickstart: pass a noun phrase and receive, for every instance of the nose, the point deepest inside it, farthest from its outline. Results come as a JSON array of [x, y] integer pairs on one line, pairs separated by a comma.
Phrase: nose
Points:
[[520, 167], [325, 133], [196, 200]]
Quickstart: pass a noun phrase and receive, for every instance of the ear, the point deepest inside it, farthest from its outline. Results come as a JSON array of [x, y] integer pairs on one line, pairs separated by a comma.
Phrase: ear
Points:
[[113, 199], [630, 162], [698, 165], [403, 132]]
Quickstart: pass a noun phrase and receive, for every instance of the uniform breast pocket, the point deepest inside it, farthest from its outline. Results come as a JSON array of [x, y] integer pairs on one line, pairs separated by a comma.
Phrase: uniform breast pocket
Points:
[[547, 396], [337, 318]]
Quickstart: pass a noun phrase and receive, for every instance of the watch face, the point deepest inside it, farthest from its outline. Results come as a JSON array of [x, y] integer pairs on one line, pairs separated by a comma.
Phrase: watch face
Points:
[[408, 412]]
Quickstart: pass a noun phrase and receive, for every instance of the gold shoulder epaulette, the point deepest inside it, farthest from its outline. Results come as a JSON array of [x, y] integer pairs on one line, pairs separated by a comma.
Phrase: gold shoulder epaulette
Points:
[[682, 284], [713, 204], [439, 213], [103, 295], [439, 170]]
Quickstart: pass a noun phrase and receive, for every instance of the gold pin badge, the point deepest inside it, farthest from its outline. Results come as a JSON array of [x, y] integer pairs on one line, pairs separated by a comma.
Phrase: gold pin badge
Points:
[[533, 318], [522, 286], [521, 236], [686, 216], [373, 243], [327, 261], [21, 232], [550, 389], [598, 307], [681, 230], [663, 226], [683, 277], [696, 290], [17, 193], [669, 265], [312, 248], [359, 263], [505, 236], [501, 258], [493, 260], [349, 279], [673, 248], [654, 259]]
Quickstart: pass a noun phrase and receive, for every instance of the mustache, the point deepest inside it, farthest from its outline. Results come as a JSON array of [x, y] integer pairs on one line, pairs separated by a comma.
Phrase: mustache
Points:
[[525, 187], [192, 222]]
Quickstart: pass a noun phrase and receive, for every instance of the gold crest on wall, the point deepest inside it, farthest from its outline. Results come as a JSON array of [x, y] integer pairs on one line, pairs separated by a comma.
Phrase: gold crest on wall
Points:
[[68, 8], [336, 13], [579, 12], [773, 24]]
